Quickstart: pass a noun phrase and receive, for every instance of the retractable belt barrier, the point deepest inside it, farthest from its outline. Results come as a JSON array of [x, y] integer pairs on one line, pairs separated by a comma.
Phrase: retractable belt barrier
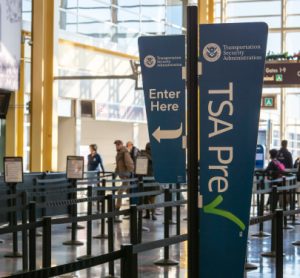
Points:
[[46, 223], [128, 252]]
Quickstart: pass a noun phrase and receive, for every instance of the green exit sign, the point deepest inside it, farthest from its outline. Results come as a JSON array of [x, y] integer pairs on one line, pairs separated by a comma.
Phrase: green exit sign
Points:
[[269, 101]]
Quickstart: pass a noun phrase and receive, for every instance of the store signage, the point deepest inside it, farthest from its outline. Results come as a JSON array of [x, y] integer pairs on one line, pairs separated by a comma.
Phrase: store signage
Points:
[[232, 57], [282, 74], [10, 43], [162, 59]]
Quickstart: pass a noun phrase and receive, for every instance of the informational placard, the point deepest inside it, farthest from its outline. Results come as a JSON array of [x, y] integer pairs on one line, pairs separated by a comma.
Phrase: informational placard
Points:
[[13, 169], [162, 61], [260, 157], [282, 74], [141, 167], [232, 57], [269, 101], [75, 167], [10, 43]]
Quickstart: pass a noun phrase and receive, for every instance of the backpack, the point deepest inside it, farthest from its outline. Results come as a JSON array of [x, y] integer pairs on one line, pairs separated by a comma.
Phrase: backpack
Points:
[[280, 166]]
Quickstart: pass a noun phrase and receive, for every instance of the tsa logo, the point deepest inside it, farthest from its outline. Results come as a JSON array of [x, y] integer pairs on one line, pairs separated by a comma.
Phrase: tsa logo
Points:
[[149, 61], [212, 52]]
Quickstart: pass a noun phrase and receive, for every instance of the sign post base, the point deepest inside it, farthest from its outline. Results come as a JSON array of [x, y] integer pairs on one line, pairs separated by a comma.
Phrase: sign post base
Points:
[[166, 262]]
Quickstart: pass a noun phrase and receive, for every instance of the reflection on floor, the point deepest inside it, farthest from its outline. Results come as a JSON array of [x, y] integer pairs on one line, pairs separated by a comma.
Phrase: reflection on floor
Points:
[[63, 254]]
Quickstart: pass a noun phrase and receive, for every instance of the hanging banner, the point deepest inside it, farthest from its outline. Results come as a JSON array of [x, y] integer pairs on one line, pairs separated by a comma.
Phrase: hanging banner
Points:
[[10, 43], [162, 60], [232, 57]]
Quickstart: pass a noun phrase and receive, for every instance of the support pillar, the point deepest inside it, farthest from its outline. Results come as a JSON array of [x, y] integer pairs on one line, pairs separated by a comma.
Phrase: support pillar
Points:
[[43, 146]]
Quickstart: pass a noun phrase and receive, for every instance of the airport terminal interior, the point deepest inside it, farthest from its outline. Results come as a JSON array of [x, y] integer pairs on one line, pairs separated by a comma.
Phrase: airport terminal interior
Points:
[[77, 197]]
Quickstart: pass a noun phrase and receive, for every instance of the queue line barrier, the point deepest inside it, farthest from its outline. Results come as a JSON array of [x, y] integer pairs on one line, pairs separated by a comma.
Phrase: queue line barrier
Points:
[[32, 218], [142, 247]]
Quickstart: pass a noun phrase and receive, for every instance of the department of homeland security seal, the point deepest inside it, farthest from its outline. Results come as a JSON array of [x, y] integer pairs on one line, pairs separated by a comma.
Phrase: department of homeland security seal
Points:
[[149, 61], [212, 52]]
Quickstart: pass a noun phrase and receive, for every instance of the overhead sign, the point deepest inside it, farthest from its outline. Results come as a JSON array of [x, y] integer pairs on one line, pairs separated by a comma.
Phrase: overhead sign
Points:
[[232, 57], [162, 60], [269, 101], [282, 74], [10, 43], [13, 169]]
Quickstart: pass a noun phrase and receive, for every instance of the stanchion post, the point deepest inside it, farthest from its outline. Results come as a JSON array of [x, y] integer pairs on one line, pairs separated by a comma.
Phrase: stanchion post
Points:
[[128, 263], [13, 187], [47, 242], [24, 232], [166, 260], [279, 243], [284, 204], [111, 234], [113, 176], [273, 205], [178, 210], [133, 231], [98, 192], [13, 221], [89, 223], [32, 236], [260, 211], [192, 154], [74, 225], [133, 224], [140, 212], [103, 208], [167, 216], [171, 208], [88, 226], [261, 205]]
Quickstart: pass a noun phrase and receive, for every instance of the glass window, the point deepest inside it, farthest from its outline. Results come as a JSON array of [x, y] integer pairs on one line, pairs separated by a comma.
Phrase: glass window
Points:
[[293, 42]]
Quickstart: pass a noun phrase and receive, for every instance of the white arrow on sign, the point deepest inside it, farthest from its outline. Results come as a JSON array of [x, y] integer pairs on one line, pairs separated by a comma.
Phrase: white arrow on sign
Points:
[[159, 134]]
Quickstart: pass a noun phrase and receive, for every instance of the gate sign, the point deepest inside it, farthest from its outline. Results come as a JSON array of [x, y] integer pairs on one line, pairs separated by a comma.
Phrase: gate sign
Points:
[[282, 74], [232, 57], [162, 59]]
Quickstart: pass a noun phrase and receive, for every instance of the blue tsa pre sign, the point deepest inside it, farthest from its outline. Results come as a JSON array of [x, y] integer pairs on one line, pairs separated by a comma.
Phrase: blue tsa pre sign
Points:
[[232, 58], [162, 59]]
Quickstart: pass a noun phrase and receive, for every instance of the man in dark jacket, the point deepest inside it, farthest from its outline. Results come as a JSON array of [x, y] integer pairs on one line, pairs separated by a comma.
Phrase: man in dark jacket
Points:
[[284, 156], [124, 168]]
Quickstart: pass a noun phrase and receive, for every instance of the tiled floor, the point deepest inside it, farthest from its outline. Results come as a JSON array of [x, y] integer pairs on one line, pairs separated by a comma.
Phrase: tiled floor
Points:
[[62, 254]]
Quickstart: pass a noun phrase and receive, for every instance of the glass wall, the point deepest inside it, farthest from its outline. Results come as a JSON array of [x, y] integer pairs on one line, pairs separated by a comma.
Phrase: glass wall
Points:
[[121, 21], [283, 18]]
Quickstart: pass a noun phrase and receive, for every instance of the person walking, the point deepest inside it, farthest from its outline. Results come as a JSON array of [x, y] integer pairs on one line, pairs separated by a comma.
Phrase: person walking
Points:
[[95, 162], [124, 168], [284, 156]]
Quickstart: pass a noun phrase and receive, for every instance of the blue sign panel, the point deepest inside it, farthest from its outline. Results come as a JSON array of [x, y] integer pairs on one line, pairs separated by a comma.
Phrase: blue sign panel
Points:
[[162, 59], [232, 57], [260, 157]]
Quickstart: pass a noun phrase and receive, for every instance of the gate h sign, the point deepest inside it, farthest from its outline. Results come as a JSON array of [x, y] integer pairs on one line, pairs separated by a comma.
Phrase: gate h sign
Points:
[[162, 59]]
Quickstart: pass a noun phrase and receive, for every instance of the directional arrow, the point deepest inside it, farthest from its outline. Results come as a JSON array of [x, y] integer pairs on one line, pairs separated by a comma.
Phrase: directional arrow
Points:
[[159, 134], [212, 209]]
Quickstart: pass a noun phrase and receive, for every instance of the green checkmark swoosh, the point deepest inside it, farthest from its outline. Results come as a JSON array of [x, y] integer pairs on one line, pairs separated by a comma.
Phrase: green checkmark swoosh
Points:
[[211, 209]]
